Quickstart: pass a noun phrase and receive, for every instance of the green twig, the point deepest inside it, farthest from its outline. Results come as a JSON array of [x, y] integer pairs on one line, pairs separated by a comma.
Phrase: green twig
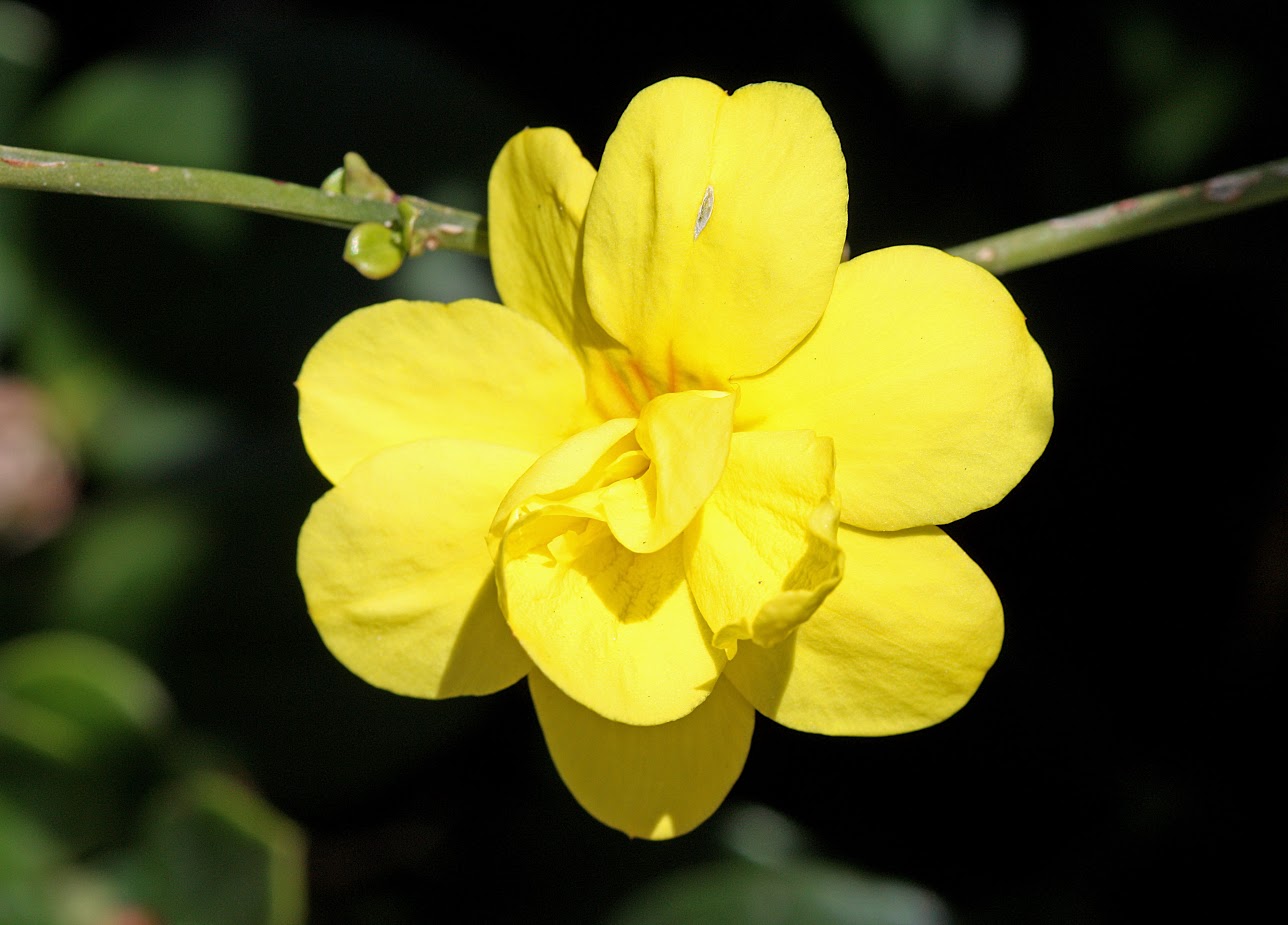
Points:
[[417, 225], [440, 226], [1129, 218]]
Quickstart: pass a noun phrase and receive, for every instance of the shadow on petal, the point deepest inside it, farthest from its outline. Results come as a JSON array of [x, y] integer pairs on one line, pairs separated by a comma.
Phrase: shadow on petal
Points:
[[484, 650], [773, 671], [632, 586]]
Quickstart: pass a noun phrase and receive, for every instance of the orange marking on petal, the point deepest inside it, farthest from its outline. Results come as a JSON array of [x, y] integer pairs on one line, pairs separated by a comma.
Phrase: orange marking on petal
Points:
[[643, 378], [622, 386]]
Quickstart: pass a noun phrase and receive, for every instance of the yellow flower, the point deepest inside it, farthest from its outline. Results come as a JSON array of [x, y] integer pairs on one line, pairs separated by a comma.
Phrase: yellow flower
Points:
[[639, 482]]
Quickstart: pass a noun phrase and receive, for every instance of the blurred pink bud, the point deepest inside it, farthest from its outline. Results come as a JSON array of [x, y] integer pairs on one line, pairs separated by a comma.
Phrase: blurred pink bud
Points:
[[38, 486]]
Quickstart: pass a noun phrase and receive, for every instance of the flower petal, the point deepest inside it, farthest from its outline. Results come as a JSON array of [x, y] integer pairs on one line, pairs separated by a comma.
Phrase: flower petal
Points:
[[686, 438], [584, 463], [403, 371], [537, 195], [647, 781], [901, 644], [924, 373], [714, 228], [398, 577], [762, 554], [646, 479], [618, 632]]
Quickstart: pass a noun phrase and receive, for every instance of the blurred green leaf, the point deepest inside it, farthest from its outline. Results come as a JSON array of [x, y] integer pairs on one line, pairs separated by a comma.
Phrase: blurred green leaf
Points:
[[123, 427], [1186, 124], [94, 695], [26, 34], [190, 112], [1188, 98], [26, 42], [41, 884], [762, 835], [68, 363], [216, 853], [968, 52], [79, 719], [80, 895], [143, 431], [26, 849], [797, 893], [207, 851], [17, 283], [122, 566]]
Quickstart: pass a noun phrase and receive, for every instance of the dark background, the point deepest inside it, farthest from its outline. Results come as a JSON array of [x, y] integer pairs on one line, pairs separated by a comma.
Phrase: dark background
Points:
[[1117, 764]]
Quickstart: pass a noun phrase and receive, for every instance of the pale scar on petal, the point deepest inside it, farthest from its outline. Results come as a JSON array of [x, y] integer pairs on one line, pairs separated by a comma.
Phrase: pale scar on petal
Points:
[[704, 212]]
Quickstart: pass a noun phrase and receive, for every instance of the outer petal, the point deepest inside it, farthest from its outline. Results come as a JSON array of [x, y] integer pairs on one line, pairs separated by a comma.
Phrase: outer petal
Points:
[[404, 371], [763, 554], [397, 574], [923, 372], [616, 631], [901, 644], [714, 228], [647, 781], [537, 195]]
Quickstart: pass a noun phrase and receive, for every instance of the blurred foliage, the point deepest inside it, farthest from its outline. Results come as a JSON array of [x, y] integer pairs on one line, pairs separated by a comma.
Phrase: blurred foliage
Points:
[[800, 893], [967, 51], [1115, 766], [1187, 97], [119, 572], [771, 878], [26, 42], [105, 815]]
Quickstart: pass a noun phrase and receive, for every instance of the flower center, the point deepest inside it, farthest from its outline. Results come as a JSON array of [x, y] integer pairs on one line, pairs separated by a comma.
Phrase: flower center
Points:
[[644, 478], [620, 386]]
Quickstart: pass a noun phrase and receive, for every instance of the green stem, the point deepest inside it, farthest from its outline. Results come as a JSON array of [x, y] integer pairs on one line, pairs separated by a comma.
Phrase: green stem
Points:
[[432, 225], [21, 168], [1129, 218]]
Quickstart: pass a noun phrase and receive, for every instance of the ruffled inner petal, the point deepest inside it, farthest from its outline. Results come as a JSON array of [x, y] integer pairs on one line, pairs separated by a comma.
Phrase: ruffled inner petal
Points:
[[762, 555], [902, 643], [646, 479], [647, 781], [616, 631], [578, 469], [923, 372], [685, 437], [403, 371], [397, 574]]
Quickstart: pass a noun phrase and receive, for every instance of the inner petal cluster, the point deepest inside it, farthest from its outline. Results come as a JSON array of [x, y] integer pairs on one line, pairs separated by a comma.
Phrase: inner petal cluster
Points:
[[634, 557], [590, 578]]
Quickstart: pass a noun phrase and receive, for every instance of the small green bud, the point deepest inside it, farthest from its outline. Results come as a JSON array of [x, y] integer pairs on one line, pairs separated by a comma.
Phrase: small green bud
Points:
[[334, 182], [363, 182], [355, 178], [374, 250]]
